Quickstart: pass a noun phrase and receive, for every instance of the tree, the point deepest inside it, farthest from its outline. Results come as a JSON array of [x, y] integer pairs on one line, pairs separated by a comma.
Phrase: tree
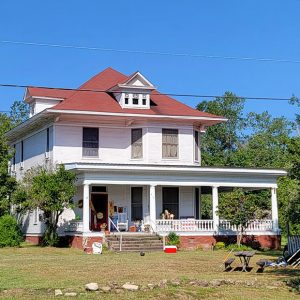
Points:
[[221, 141], [7, 183], [49, 190], [237, 207], [19, 113]]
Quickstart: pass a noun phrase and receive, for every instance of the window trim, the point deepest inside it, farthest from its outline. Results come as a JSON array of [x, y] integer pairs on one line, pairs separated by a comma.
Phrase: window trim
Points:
[[196, 146], [134, 143], [131, 204], [162, 144], [90, 156]]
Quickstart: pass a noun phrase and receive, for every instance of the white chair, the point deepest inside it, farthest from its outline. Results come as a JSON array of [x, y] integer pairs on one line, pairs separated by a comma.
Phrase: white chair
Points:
[[122, 223]]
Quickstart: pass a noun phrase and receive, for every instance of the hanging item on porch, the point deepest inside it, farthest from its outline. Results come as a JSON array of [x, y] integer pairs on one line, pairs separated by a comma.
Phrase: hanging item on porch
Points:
[[111, 208], [99, 215], [80, 203]]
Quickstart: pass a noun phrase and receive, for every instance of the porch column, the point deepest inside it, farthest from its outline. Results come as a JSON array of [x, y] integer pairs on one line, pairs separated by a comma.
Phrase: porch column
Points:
[[274, 208], [152, 207], [86, 208], [215, 203]]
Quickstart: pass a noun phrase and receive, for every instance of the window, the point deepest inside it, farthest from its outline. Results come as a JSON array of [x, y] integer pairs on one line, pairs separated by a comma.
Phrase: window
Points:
[[196, 144], [136, 143], [48, 141], [90, 142], [171, 200], [144, 99], [135, 99], [98, 189], [170, 143], [136, 203], [14, 157], [126, 98], [22, 151]]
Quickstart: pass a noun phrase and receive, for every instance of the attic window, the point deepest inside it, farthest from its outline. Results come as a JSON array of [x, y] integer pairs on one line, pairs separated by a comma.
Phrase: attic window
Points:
[[135, 99], [144, 99], [126, 98]]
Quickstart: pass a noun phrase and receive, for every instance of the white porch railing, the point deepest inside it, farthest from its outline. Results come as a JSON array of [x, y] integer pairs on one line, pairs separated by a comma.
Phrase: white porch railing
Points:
[[184, 225], [75, 226], [191, 225], [254, 225]]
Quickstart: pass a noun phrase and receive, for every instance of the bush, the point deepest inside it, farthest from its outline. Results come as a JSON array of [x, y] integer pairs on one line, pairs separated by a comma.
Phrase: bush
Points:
[[294, 284], [173, 239], [235, 247], [10, 232], [219, 246]]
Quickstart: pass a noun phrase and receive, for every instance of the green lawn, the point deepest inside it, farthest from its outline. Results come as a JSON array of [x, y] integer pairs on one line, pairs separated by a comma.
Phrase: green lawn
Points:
[[33, 273]]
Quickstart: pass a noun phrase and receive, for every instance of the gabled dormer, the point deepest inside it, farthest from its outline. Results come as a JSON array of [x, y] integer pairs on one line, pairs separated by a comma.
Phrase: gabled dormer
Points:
[[134, 92]]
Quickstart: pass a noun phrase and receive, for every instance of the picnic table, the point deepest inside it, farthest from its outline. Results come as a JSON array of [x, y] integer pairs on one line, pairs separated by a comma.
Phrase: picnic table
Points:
[[244, 257]]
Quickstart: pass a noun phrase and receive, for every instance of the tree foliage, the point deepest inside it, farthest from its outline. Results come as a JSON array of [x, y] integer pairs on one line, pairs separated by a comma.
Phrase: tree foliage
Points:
[[255, 140], [222, 140], [49, 190], [239, 208]]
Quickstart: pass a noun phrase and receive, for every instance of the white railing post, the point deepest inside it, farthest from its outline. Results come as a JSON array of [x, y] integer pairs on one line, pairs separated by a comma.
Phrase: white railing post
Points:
[[152, 207], [86, 208], [215, 203], [274, 209]]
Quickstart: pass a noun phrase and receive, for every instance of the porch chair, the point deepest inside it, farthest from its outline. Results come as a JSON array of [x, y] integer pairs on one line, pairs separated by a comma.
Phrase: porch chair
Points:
[[122, 223]]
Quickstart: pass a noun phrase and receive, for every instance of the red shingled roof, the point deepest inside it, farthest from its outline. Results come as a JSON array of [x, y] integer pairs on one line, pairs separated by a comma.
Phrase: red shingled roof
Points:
[[104, 101]]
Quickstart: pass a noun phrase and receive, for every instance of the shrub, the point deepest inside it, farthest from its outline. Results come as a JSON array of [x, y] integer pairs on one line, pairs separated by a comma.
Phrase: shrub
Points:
[[173, 239], [10, 232], [219, 246], [235, 247], [294, 284]]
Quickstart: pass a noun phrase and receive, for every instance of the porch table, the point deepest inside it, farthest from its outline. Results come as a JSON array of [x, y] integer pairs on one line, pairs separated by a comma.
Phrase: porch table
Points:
[[244, 257]]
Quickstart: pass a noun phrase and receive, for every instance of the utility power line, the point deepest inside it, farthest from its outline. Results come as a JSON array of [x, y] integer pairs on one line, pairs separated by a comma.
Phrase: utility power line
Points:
[[167, 53], [154, 93]]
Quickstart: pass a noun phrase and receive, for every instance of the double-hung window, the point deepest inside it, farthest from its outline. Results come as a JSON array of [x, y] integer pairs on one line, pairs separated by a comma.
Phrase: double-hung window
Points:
[[90, 142], [136, 143], [196, 144], [170, 143]]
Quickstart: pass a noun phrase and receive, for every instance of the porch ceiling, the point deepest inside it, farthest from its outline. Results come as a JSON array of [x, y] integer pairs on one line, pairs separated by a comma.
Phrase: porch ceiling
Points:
[[176, 175]]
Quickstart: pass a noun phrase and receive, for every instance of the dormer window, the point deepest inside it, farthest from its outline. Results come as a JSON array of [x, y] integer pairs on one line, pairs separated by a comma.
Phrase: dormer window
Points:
[[135, 99], [126, 99], [134, 93], [144, 99]]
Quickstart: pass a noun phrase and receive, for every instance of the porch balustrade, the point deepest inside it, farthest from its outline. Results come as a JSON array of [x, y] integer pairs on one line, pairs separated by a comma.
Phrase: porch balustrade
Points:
[[254, 225], [208, 225], [184, 225]]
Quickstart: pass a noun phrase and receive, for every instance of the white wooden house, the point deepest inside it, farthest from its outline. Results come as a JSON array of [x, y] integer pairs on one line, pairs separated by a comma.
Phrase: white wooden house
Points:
[[136, 153]]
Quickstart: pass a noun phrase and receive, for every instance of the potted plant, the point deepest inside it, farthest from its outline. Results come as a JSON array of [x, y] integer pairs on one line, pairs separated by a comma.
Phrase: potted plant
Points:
[[103, 226], [173, 241]]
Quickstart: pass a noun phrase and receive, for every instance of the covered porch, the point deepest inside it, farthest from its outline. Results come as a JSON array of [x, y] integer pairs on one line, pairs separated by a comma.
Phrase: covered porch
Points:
[[143, 192]]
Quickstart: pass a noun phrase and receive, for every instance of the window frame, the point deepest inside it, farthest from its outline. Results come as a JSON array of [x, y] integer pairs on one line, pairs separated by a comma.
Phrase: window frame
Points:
[[135, 97], [138, 142], [136, 205], [87, 141], [196, 146], [165, 144]]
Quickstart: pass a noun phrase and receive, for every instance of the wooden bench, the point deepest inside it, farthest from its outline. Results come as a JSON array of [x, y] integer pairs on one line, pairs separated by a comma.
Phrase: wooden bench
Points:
[[228, 263]]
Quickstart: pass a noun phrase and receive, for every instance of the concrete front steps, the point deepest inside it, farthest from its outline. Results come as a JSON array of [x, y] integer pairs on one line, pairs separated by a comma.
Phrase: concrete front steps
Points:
[[134, 242]]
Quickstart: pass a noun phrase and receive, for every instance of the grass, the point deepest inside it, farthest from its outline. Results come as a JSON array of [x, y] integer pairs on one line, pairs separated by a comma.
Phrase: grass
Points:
[[33, 273]]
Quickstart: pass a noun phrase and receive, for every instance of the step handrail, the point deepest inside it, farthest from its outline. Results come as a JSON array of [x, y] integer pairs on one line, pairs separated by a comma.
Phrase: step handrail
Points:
[[121, 236], [111, 222]]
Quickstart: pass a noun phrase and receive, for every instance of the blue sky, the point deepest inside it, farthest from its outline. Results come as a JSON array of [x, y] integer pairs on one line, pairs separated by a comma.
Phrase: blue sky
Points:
[[269, 28]]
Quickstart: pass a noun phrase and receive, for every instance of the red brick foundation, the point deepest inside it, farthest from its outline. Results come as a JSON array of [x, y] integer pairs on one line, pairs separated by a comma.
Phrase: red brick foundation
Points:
[[84, 243], [207, 242], [33, 239], [72, 241]]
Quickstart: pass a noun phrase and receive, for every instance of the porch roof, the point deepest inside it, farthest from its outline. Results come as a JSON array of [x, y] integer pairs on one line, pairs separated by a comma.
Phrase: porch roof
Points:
[[174, 175]]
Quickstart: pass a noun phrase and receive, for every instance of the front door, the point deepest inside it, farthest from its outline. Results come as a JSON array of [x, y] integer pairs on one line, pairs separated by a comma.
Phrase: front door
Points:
[[170, 199], [99, 211]]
